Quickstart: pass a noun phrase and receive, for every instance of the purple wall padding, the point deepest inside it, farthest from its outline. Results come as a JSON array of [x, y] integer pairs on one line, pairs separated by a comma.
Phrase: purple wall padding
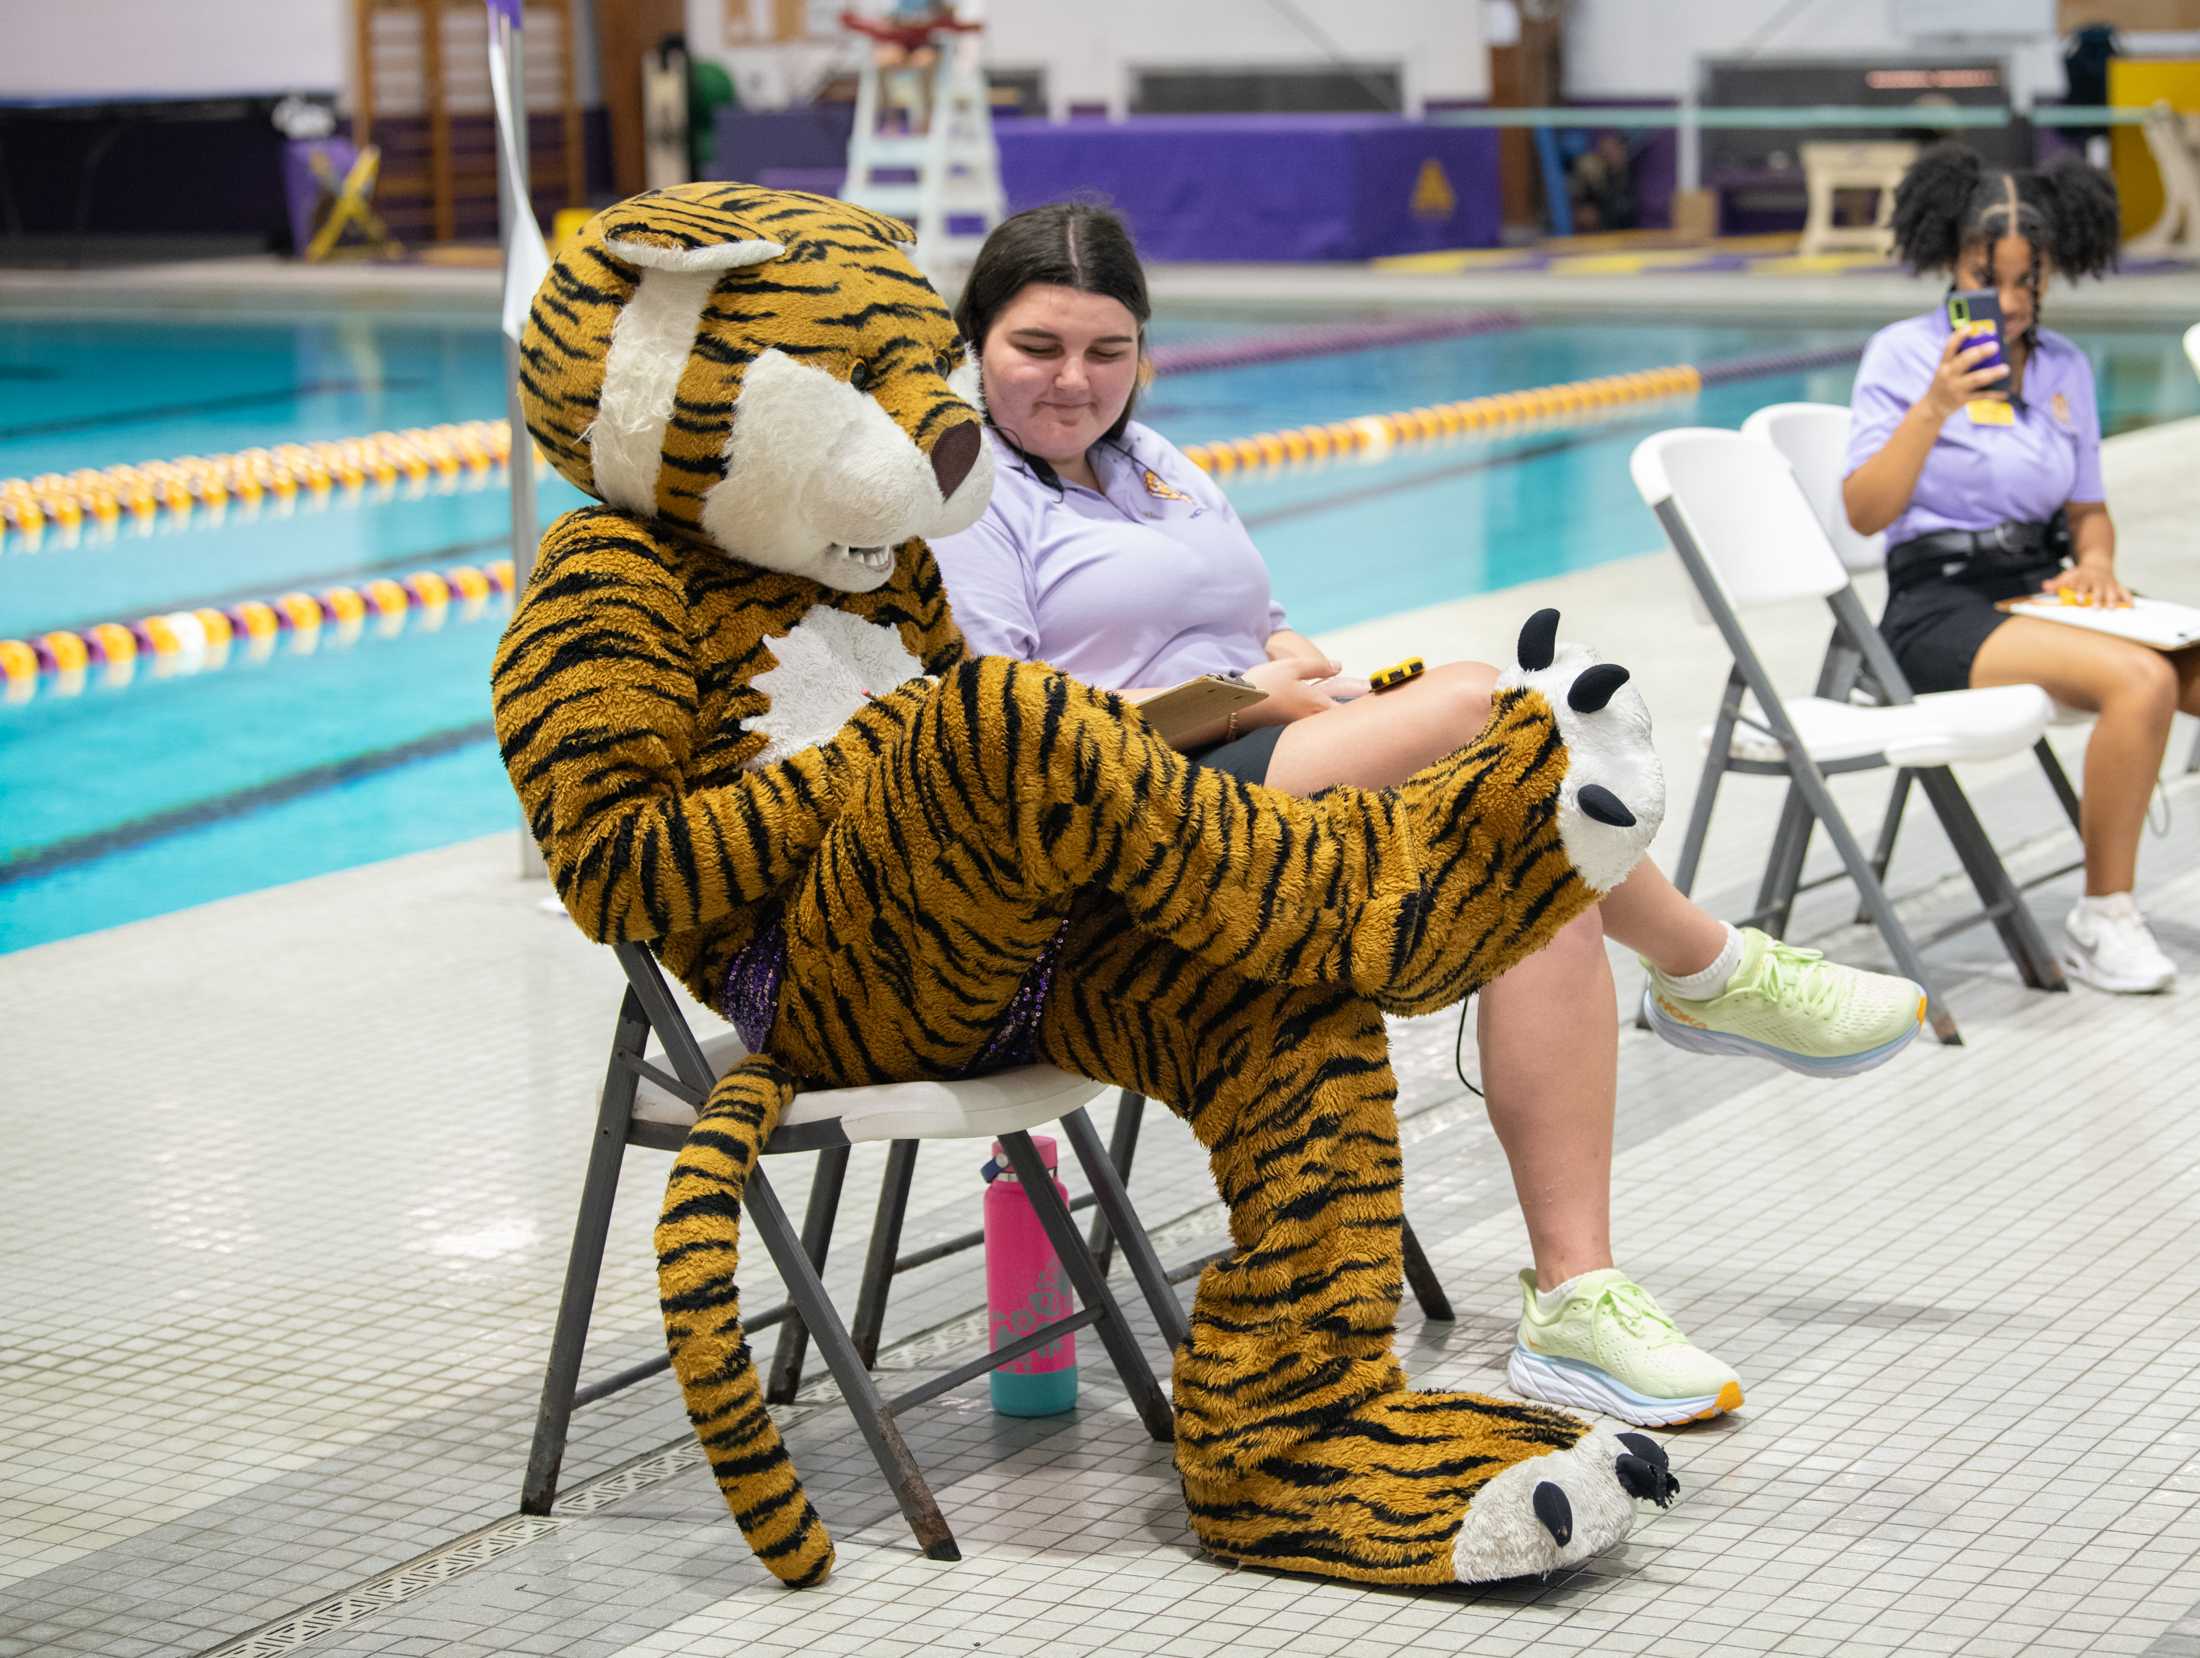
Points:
[[1210, 188]]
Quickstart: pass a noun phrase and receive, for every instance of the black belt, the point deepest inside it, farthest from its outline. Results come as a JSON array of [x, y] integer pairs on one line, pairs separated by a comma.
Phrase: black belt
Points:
[[1977, 555]]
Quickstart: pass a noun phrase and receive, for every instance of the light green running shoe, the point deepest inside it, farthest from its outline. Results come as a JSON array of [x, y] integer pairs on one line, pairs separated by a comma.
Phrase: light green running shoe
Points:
[[1794, 1008], [1610, 1348]]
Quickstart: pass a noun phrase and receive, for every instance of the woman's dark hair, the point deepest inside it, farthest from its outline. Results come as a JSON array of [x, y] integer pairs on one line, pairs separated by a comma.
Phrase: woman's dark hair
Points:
[[1067, 244], [1950, 201]]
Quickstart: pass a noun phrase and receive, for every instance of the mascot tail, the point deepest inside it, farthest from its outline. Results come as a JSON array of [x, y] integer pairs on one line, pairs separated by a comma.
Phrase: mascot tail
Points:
[[698, 1237]]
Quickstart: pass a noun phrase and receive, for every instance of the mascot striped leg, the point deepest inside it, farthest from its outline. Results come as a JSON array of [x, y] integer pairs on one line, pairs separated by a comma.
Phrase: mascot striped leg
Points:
[[697, 1237], [1299, 1443]]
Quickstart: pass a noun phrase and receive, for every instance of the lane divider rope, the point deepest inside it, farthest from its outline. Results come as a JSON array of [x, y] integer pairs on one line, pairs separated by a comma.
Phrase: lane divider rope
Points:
[[191, 640], [1371, 436], [65, 661], [141, 491]]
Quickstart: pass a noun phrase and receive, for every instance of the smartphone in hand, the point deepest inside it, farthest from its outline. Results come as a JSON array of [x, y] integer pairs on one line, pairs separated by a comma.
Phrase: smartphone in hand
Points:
[[1977, 311]]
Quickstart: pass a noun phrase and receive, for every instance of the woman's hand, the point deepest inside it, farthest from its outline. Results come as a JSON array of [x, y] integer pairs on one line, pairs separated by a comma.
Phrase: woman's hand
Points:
[[1959, 379], [2090, 584], [1297, 686]]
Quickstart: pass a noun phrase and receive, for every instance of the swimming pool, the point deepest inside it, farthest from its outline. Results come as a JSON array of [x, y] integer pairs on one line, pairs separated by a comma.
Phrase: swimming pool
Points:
[[127, 803]]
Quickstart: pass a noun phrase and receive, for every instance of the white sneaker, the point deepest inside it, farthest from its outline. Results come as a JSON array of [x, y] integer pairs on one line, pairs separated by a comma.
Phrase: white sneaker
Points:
[[2109, 946]]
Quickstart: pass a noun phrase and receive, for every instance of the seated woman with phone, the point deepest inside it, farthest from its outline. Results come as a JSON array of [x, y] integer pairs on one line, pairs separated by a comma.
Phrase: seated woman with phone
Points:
[[1975, 443], [1109, 555]]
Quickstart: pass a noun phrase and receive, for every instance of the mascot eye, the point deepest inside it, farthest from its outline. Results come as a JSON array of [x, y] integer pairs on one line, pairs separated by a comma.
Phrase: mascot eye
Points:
[[946, 364], [860, 376]]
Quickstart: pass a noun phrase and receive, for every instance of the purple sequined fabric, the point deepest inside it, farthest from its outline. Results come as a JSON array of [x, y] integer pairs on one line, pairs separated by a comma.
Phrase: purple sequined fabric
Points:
[[751, 999], [1016, 1041]]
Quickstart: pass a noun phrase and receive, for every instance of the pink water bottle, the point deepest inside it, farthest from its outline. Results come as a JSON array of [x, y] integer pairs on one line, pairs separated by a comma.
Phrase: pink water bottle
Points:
[[1025, 1288]]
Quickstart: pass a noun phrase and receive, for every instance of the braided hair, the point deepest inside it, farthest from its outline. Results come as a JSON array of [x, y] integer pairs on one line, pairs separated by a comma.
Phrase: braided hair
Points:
[[1950, 201]]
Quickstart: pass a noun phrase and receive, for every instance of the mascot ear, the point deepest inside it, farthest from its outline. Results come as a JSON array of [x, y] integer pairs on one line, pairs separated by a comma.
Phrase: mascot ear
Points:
[[666, 232]]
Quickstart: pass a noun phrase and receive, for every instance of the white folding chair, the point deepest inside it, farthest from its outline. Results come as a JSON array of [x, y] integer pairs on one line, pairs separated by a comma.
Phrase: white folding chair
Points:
[[2192, 355], [1814, 438], [645, 1105], [1744, 531]]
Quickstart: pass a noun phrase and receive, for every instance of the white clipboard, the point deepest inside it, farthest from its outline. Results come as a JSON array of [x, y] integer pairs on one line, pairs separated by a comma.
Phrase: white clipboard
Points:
[[2155, 622]]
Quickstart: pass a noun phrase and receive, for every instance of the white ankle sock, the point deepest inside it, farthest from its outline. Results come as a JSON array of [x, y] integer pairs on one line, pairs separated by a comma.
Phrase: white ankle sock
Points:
[[1707, 982], [2110, 904], [1548, 1302]]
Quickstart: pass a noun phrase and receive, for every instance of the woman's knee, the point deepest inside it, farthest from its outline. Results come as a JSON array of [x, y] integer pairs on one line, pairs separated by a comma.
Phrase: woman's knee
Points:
[[2143, 685], [1462, 691], [1564, 964]]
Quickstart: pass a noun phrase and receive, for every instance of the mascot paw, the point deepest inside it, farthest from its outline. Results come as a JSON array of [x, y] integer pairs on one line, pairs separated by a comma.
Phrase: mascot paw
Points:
[[1560, 1509], [1613, 799]]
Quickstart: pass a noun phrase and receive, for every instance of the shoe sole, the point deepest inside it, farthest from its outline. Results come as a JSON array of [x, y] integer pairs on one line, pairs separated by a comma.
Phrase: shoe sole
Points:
[[2081, 969], [1584, 1387], [1697, 1040]]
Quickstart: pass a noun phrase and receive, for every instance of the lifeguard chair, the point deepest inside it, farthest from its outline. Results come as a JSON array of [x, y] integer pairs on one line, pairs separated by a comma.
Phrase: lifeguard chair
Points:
[[943, 174]]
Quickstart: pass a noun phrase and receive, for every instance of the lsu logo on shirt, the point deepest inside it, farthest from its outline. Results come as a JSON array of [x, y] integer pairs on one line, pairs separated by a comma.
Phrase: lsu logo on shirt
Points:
[[1158, 486]]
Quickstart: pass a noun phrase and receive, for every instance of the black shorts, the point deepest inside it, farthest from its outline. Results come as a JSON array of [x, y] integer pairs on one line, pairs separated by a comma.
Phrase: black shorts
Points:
[[1935, 626], [1245, 757]]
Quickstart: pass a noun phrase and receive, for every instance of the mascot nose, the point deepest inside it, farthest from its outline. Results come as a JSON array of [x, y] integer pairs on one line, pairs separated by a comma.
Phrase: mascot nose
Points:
[[954, 455]]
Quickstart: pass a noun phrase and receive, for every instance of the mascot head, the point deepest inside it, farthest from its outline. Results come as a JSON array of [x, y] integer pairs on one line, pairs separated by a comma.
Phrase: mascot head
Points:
[[763, 370]]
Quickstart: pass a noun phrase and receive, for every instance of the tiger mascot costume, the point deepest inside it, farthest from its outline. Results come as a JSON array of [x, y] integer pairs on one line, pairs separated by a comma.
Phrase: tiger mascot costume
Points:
[[744, 729]]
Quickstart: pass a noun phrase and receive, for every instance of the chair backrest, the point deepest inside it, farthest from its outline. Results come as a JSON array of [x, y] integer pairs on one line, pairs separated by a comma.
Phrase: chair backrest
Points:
[[1737, 502], [2192, 346], [1815, 439]]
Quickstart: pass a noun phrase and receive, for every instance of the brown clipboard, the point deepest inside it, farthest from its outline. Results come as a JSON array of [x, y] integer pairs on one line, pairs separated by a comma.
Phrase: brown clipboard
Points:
[[1197, 712]]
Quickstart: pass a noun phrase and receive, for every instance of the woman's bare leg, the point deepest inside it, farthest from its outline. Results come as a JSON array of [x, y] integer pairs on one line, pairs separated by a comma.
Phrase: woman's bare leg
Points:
[[1549, 1037], [1650, 916], [2134, 691]]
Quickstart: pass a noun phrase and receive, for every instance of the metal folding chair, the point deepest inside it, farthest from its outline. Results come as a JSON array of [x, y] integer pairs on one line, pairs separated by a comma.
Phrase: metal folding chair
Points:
[[1740, 524], [1130, 1112], [645, 1105], [885, 1259]]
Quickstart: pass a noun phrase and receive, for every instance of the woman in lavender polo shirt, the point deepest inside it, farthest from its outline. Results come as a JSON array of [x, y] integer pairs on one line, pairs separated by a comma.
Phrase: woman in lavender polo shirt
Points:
[[1109, 555], [1974, 471]]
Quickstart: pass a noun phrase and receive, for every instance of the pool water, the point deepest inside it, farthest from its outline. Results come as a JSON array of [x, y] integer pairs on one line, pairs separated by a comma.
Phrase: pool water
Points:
[[132, 802]]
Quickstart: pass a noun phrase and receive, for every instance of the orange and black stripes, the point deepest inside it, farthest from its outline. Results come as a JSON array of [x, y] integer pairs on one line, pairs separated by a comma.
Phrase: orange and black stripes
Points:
[[697, 1238], [1224, 948]]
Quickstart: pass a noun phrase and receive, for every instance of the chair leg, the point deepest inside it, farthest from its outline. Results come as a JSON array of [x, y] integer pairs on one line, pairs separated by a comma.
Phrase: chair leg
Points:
[[1435, 1304], [1092, 1289], [1784, 867], [1898, 798], [878, 1265], [569, 1339], [880, 1432], [2059, 780], [1821, 803], [2193, 764], [817, 1238], [1130, 1112], [1116, 1214], [2012, 917]]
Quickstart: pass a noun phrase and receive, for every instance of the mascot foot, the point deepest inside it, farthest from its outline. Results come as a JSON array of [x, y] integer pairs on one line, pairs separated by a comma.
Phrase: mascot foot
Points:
[[1613, 797], [1433, 1488], [1559, 1510]]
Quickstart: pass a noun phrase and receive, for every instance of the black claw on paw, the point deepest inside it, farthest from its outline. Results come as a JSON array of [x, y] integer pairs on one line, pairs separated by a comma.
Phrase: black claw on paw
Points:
[[1556, 1513], [1595, 687], [1646, 1482], [1539, 641], [1647, 1448], [1606, 807]]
